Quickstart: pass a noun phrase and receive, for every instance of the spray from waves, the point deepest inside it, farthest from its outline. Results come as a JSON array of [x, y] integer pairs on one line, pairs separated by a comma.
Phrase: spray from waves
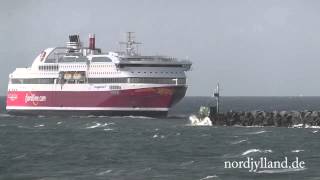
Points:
[[305, 126], [297, 126], [312, 127], [273, 171], [256, 151], [195, 121]]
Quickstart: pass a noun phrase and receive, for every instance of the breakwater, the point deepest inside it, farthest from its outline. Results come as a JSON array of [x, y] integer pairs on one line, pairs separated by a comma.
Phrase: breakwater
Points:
[[263, 118]]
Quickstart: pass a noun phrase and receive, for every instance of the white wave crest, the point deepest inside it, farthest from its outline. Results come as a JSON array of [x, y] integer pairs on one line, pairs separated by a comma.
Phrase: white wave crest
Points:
[[258, 132], [96, 125], [39, 125], [20, 156], [104, 172], [160, 136], [155, 136], [187, 163], [132, 117], [108, 129], [5, 115], [297, 150], [272, 171], [139, 117], [256, 151], [209, 177], [238, 142], [195, 121]]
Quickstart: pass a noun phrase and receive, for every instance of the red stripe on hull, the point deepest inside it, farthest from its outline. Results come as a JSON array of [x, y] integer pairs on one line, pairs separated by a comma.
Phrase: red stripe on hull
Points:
[[159, 97]]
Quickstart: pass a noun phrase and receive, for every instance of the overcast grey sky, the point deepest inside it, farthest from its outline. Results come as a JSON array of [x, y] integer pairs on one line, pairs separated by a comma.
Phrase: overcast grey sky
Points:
[[252, 47]]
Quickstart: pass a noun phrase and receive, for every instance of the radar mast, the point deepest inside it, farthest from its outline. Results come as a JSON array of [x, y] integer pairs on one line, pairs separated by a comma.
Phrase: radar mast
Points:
[[131, 45]]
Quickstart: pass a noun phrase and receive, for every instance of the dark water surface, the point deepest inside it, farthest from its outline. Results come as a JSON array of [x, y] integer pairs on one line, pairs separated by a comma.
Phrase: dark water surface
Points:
[[147, 148]]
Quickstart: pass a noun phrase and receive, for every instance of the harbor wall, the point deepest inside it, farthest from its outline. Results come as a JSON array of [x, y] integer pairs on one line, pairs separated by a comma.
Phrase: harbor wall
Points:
[[263, 118]]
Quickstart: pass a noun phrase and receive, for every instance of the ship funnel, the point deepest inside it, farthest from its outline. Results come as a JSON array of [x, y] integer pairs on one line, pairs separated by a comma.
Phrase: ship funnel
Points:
[[74, 42], [74, 38], [92, 41]]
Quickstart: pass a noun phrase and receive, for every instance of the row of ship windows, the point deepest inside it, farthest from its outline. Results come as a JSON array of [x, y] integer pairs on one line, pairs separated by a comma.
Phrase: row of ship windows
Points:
[[101, 80], [49, 68], [104, 72], [117, 72], [101, 66], [139, 80], [68, 59], [53, 68], [33, 81], [159, 72], [56, 67]]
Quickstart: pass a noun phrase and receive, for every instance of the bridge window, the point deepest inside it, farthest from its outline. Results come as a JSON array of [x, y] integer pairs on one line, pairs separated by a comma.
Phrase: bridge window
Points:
[[101, 59], [33, 81]]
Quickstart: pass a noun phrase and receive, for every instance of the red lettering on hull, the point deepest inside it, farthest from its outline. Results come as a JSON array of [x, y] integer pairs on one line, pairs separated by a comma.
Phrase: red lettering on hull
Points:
[[160, 97]]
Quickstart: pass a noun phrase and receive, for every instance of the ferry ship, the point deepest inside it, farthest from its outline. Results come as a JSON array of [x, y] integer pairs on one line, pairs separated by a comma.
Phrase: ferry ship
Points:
[[82, 80]]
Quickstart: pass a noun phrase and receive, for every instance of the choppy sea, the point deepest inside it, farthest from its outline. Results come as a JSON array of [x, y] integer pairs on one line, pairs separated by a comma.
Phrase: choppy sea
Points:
[[100, 147]]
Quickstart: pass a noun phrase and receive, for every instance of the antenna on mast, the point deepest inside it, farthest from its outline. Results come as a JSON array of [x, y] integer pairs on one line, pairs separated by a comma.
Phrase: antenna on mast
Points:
[[131, 49], [216, 94]]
